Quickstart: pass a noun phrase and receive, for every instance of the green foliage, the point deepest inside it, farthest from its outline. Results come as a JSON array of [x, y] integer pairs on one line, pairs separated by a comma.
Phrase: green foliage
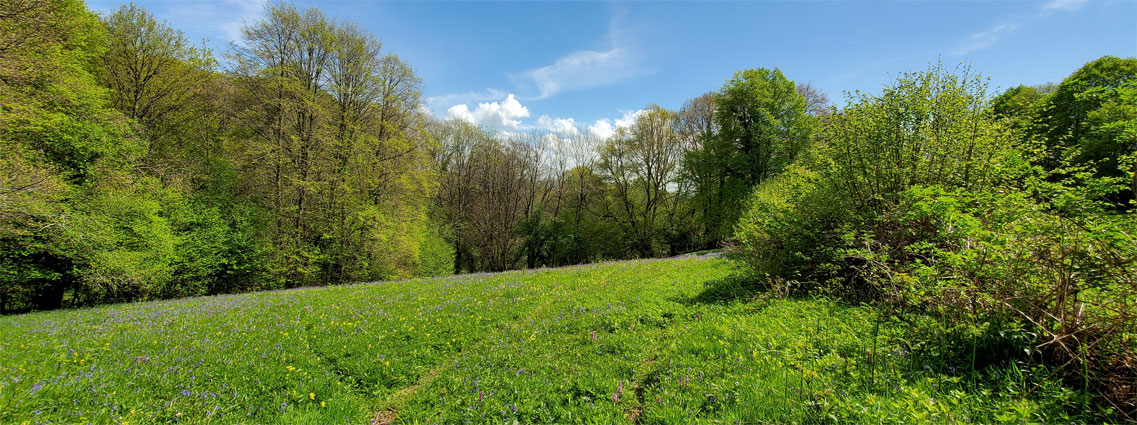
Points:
[[133, 178], [928, 129], [435, 255], [131, 169], [1085, 118], [59, 142], [341, 162], [926, 201], [762, 125], [123, 240], [788, 229]]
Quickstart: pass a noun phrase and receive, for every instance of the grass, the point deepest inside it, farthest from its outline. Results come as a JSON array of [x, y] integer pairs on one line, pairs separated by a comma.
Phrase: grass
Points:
[[664, 341]]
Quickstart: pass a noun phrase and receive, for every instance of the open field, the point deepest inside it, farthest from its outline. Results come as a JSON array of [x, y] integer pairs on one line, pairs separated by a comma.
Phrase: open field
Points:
[[664, 341]]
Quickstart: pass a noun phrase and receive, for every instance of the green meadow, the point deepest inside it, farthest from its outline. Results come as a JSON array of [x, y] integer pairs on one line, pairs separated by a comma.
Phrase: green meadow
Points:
[[659, 341]]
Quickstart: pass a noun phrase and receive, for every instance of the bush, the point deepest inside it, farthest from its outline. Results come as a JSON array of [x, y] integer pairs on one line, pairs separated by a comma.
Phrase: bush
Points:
[[923, 202], [787, 232]]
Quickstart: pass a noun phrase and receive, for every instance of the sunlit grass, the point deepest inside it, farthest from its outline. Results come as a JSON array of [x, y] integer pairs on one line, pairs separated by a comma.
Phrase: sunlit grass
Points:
[[668, 341]]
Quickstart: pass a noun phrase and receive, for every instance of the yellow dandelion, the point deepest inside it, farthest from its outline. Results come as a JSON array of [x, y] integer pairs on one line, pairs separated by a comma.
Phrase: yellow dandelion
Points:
[[322, 404], [311, 396]]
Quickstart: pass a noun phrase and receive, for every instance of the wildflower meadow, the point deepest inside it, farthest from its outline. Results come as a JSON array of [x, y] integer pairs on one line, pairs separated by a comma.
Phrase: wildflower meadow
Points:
[[659, 341]]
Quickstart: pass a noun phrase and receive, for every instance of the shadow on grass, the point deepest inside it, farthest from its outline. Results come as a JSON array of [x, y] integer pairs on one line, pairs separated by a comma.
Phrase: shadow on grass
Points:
[[950, 349], [737, 287]]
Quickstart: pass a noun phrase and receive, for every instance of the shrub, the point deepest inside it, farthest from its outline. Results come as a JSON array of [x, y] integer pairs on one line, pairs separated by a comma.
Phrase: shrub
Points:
[[922, 201]]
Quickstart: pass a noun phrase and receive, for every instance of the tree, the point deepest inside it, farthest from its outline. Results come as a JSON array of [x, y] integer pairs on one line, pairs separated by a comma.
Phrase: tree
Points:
[[338, 148], [816, 101], [928, 128], [1112, 136], [153, 72], [697, 121], [641, 162], [68, 153], [1065, 113], [762, 125], [454, 159]]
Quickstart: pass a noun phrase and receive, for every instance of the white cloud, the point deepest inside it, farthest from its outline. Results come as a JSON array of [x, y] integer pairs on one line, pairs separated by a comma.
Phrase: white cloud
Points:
[[450, 99], [983, 39], [502, 115], [578, 70], [565, 126], [461, 112], [1066, 5], [629, 118], [605, 128], [587, 68], [602, 128]]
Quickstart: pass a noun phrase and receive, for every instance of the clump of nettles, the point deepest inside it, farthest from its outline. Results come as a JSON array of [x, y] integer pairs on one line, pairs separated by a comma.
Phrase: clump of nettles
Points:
[[1006, 220]]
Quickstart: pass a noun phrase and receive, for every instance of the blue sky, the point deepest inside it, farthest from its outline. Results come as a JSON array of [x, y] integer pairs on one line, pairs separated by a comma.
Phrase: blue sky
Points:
[[586, 65]]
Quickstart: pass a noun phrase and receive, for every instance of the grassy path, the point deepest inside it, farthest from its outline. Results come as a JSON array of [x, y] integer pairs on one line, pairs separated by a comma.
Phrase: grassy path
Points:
[[390, 407]]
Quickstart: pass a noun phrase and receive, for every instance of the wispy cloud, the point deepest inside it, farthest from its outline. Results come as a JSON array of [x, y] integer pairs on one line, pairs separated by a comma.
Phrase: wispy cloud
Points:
[[1066, 5], [984, 39], [219, 20], [243, 12], [579, 70], [586, 68]]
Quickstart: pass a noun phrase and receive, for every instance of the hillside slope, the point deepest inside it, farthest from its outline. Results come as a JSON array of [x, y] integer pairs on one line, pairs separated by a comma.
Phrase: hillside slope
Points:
[[663, 341]]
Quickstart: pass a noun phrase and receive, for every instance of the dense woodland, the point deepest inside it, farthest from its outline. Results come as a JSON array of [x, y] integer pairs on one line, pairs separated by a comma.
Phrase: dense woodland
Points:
[[135, 164]]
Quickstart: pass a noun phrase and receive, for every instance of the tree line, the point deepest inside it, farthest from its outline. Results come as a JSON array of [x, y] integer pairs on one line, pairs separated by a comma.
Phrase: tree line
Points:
[[134, 167], [137, 166]]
